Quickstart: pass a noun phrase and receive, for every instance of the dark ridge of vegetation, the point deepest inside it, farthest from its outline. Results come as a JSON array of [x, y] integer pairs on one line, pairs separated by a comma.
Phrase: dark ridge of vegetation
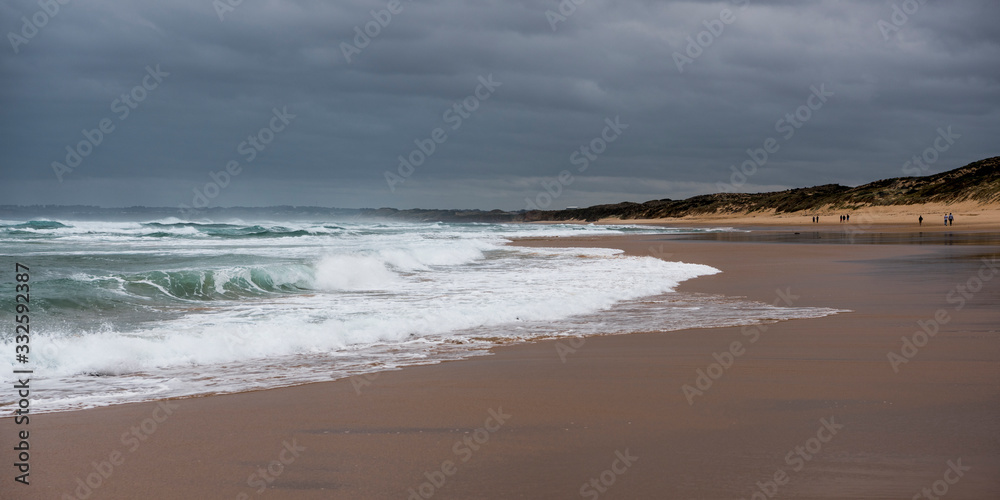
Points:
[[978, 181]]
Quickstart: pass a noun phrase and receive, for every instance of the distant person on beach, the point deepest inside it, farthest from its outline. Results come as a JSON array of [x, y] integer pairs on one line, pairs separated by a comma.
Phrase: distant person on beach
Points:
[[946, 219], [920, 221], [951, 219], [848, 217]]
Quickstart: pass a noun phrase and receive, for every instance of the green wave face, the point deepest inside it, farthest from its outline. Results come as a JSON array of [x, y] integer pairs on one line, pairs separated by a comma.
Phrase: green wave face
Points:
[[40, 224]]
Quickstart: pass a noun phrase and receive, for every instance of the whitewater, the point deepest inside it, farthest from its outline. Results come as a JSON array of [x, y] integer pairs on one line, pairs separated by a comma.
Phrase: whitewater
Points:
[[136, 311]]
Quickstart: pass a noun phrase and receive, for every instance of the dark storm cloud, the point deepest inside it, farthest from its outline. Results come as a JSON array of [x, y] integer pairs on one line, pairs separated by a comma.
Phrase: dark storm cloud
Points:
[[687, 128]]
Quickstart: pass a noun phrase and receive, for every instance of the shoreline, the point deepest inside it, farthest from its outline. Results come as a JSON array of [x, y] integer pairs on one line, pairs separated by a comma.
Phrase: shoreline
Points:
[[574, 404]]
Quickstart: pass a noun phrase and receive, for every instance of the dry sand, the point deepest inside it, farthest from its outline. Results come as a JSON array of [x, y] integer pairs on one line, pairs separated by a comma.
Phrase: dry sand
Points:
[[969, 216], [612, 394]]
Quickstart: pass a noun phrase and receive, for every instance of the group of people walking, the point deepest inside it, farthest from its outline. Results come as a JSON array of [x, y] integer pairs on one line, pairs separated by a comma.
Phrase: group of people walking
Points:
[[949, 219], [843, 218]]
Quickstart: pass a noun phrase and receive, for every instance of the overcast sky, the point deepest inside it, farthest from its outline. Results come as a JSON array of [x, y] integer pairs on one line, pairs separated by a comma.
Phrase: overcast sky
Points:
[[690, 108]]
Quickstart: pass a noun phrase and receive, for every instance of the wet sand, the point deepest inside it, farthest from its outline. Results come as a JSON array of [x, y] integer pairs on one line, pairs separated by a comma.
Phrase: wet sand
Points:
[[575, 411]]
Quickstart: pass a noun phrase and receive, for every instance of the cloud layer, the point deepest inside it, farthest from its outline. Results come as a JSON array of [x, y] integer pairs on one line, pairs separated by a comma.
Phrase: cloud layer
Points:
[[696, 83]]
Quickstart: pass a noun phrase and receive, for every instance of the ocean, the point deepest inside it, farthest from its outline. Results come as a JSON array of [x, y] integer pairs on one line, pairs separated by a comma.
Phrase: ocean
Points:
[[136, 311]]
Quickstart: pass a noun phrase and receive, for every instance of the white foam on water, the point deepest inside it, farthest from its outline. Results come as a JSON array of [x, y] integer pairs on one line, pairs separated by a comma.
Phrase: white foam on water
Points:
[[353, 272]]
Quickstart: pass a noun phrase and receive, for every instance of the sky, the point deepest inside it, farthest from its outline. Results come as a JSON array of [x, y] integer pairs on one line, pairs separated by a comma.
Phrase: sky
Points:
[[507, 104]]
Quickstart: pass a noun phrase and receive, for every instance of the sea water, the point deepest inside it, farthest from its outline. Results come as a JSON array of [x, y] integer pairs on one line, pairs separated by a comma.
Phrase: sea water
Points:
[[135, 311]]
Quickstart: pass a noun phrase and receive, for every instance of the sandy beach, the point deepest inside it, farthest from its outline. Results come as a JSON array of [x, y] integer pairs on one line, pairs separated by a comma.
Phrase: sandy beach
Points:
[[834, 407], [968, 216]]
